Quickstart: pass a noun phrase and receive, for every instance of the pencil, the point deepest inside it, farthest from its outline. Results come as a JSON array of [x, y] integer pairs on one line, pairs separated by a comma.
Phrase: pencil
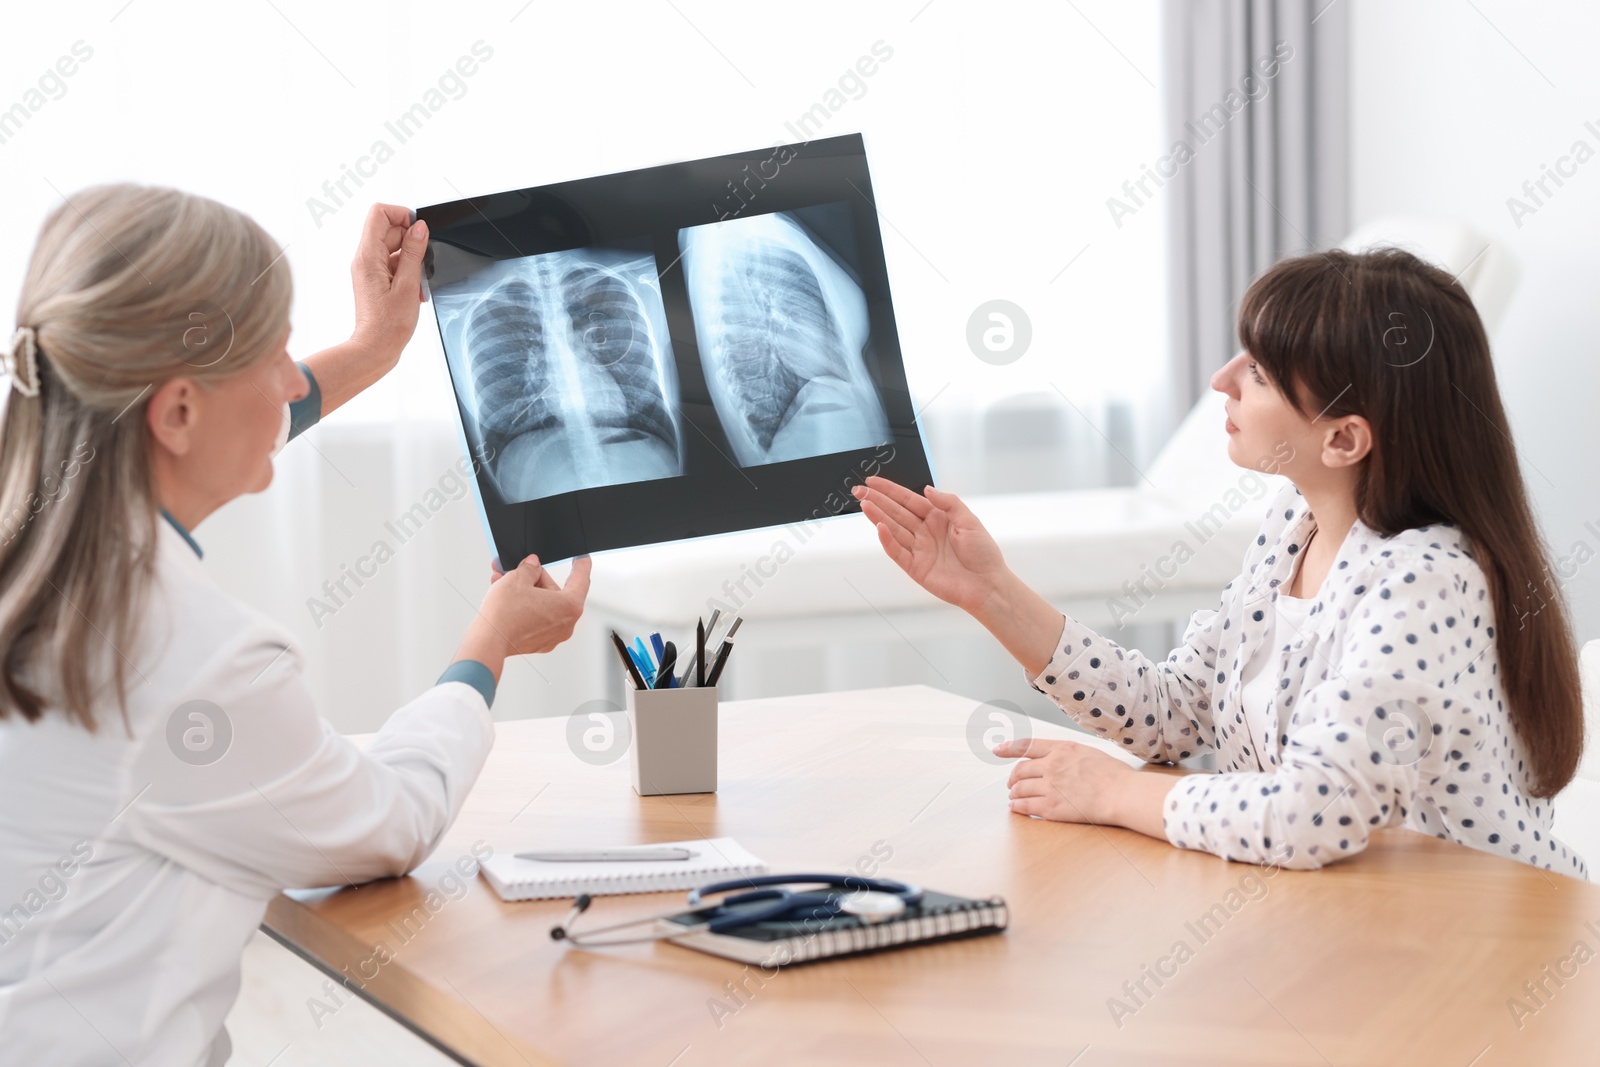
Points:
[[700, 654]]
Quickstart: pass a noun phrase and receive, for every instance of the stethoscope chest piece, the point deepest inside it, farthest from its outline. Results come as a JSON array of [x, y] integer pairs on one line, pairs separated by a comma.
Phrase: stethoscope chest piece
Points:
[[872, 907]]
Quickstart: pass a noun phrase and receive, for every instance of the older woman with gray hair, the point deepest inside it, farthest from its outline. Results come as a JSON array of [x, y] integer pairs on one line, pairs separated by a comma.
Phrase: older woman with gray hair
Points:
[[163, 769]]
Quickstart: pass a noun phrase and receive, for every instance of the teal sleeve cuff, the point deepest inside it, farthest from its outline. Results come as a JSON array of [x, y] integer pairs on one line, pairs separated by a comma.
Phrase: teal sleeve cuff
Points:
[[307, 411], [474, 674]]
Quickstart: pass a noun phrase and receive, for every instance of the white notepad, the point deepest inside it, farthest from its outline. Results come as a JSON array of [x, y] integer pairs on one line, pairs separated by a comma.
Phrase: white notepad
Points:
[[719, 859]]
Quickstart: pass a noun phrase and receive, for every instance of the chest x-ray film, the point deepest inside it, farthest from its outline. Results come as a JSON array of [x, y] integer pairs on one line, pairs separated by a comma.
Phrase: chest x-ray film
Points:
[[685, 350], [781, 326], [567, 370]]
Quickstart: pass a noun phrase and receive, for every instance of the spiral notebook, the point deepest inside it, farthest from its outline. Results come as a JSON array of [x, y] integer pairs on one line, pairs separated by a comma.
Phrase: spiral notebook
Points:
[[719, 859], [939, 917]]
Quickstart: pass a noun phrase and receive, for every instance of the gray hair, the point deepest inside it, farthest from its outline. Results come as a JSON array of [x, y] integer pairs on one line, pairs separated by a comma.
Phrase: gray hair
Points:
[[129, 286]]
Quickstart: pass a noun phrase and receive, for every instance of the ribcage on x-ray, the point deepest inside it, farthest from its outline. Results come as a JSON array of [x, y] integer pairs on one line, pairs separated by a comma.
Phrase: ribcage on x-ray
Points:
[[609, 328], [506, 340], [571, 369], [511, 340], [777, 336], [782, 327]]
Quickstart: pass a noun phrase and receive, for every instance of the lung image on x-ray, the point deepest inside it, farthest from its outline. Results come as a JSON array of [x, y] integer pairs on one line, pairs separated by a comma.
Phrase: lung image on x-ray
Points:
[[564, 367], [781, 325]]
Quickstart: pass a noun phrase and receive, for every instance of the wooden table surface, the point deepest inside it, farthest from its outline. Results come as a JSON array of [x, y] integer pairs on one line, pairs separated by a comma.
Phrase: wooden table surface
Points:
[[1415, 952]]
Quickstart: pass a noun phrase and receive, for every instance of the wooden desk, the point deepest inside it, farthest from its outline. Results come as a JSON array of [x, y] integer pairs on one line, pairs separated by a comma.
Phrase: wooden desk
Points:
[[1409, 953]]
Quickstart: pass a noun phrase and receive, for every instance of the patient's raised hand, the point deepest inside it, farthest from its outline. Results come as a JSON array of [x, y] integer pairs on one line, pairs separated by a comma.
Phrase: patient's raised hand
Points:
[[935, 539]]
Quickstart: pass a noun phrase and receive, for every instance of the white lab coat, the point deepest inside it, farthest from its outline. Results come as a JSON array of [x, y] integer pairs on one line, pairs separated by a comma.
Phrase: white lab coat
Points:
[[1399, 642], [130, 878]]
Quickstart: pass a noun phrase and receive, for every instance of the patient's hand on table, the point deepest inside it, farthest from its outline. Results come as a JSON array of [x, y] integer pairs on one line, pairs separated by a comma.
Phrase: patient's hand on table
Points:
[[935, 539]]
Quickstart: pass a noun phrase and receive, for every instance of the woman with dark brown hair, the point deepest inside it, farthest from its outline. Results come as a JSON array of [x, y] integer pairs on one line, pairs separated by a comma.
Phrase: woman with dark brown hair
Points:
[[1393, 652]]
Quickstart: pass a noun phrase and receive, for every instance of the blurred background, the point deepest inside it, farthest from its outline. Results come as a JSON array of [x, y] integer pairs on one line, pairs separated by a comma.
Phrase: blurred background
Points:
[[1012, 148]]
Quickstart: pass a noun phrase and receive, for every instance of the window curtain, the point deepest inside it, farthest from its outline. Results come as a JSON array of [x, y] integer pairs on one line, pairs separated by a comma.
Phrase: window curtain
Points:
[[1256, 116]]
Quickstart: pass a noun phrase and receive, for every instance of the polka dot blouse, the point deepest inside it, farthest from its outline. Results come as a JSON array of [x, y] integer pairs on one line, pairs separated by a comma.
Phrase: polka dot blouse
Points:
[[1388, 711]]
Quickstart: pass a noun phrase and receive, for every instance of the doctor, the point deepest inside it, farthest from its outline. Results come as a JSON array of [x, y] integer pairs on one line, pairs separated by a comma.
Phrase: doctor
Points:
[[163, 770]]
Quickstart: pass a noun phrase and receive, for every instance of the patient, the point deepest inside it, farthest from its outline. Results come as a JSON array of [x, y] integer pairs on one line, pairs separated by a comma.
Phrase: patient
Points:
[[1394, 651]]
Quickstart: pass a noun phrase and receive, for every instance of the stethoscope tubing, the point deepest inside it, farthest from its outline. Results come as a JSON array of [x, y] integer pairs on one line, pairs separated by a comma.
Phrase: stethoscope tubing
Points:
[[763, 887]]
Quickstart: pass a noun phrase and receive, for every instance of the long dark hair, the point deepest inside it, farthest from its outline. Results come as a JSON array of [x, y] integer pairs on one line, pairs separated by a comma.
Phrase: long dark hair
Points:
[[1386, 336]]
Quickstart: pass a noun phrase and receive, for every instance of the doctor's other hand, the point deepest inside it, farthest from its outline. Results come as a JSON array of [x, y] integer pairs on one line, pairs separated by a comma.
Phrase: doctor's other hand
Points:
[[936, 540], [525, 611], [387, 277]]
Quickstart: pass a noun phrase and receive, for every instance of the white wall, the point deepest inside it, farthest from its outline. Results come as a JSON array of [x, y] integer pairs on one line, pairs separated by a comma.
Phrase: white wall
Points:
[[1454, 108]]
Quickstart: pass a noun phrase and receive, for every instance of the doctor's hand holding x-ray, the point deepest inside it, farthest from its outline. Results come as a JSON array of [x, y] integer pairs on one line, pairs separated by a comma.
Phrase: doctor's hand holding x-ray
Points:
[[530, 613]]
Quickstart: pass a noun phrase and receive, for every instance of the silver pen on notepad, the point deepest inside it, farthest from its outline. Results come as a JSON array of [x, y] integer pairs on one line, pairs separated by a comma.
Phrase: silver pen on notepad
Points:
[[606, 855]]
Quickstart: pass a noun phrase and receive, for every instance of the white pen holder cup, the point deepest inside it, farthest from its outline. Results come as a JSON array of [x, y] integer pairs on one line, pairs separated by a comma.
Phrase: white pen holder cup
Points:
[[674, 740]]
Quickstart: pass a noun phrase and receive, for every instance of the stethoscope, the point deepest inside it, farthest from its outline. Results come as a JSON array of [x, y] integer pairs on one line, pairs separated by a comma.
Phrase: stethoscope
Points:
[[871, 900]]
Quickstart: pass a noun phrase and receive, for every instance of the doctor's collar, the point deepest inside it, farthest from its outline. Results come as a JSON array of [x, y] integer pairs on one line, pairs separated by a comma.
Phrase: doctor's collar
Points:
[[183, 533]]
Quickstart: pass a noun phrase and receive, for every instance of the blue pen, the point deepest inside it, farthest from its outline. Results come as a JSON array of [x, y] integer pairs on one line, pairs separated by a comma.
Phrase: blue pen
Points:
[[659, 645], [642, 661], [644, 656]]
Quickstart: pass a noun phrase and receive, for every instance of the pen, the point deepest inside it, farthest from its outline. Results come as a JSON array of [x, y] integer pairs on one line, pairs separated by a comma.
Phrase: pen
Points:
[[642, 656], [608, 855], [716, 666], [715, 671], [643, 665], [669, 660], [655, 643], [627, 661]]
